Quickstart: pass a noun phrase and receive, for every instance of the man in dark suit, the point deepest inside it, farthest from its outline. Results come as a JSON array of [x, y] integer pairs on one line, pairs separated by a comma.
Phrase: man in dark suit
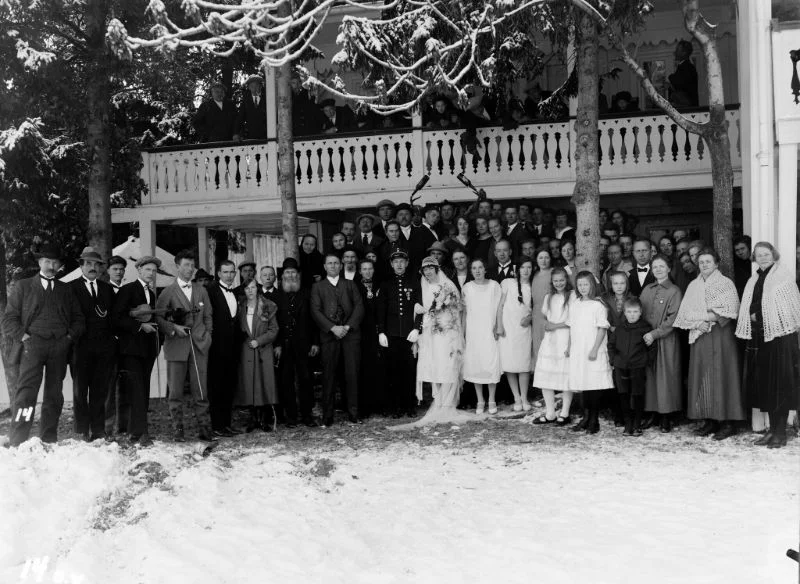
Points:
[[298, 340], [139, 345], [267, 275], [398, 329], [252, 120], [215, 120], [186, 344], [224, 351], [641, 275], [386, 209], [337, 309], [117, 406], [337, 119], [503, 268], [683, 83], [537, 225], [432, 227], [42, 320], [412, 238], [94, 354], [366, 240], [516, 232]]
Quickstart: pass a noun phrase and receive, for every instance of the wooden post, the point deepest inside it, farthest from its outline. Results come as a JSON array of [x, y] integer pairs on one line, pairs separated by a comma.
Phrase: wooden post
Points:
[[147, 237], [202, 250], [787, 203], [417, 146]]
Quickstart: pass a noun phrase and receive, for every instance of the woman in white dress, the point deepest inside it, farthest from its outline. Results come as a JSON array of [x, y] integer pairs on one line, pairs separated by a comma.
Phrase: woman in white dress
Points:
[[589, 367], [482, 353], [552, 363], [515, 333]]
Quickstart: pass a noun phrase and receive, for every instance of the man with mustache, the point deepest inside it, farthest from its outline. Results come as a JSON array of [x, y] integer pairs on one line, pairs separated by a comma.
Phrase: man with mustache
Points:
[[42, 319], [94, 354]]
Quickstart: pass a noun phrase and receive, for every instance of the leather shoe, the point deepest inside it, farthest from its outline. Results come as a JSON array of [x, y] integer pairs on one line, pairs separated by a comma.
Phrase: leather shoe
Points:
[[708, 427], [327, 422], [311, 423], [179, 436], [224, 433], [764, 440], [234, 431], [354, 420], [666, 425], [648, 422], [777, 441], [726, 431], [144, 441]]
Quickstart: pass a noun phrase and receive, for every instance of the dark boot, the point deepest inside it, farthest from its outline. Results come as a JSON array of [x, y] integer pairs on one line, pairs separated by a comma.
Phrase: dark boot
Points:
[[628, 426], [266, 422], [593, 427], [179, 434], [252, 423], [666, 424], [581, 426], [708, 427], [648, 421], [638, 410], [726, 430]]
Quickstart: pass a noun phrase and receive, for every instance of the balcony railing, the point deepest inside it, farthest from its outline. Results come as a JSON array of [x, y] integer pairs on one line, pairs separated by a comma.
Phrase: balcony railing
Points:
[[634, 146]]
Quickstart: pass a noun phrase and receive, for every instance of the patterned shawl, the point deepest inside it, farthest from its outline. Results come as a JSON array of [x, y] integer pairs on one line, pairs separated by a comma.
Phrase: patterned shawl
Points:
[[715, 293], [780, 305]]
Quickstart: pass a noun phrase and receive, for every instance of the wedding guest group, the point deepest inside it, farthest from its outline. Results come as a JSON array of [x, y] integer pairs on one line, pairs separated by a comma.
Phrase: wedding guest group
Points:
[[480, 304]]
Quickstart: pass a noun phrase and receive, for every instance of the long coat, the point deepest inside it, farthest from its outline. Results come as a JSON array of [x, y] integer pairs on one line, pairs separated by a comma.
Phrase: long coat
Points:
[[664, 393], [256, 368]]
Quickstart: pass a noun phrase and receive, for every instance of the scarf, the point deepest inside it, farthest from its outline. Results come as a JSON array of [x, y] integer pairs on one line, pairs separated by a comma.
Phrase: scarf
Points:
[[716, 293], [780, 305]]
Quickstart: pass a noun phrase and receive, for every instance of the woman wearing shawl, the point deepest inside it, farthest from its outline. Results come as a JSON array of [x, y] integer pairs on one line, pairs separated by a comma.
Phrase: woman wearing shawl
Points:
[[769, 318], [707, 312]]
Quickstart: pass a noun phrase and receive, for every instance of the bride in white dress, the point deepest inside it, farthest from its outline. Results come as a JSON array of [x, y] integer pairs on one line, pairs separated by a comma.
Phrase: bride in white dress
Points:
[[440, 347]]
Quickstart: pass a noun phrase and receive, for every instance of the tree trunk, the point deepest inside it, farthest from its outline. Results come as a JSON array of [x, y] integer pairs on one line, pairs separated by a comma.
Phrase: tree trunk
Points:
[[3, 274], [286, 178], [719, 150], [586, 196], [98, 140]]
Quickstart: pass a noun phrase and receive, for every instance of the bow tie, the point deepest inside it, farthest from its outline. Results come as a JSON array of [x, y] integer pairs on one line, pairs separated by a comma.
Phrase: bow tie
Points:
[[225, 288], [186, 285], [46, 279], [645, 269]]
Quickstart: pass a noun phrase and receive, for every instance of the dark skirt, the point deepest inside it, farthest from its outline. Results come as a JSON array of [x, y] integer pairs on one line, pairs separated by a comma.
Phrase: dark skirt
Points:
[[772, 372], [715, 389]]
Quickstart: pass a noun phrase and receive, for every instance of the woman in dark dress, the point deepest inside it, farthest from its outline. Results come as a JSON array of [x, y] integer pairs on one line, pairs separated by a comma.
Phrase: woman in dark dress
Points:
[[483, 241], [769, 318], [312, 267], [372, 382]]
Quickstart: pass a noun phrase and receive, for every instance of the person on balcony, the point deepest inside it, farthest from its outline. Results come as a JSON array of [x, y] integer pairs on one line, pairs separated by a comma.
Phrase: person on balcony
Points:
[[306, 117], [386, 210], [683, 83], [337, 119], [215, 120], [442, 115], [252, 120], [623, 102]]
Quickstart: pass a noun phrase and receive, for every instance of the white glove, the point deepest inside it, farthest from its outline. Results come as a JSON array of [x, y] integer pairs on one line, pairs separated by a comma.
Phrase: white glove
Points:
[[419, 309], [382, 340], [413, 336]]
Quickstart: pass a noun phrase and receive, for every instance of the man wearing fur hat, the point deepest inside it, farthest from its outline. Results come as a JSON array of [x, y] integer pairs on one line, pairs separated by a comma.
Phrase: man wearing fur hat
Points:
[[252, 120], [43, 320], [94, 353]]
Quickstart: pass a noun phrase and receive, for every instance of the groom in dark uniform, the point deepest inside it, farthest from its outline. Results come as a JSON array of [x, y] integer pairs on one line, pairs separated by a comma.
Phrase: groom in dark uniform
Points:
[[398, 329], [43, 320]]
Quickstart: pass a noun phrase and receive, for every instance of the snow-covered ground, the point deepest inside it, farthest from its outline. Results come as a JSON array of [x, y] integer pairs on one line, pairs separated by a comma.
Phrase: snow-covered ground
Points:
[[458, 508]]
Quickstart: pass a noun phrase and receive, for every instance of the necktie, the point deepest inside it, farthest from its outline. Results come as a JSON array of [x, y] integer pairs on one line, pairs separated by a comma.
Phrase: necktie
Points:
[[365, 239], [49, 283], [94, 292]]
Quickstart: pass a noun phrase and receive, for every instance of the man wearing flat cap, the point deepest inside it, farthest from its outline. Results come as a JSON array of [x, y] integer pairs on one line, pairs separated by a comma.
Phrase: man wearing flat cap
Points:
[[385, 209], [43, 320], [252, 120], [365, 239], [337, 119], [94, 354], [139, 345], [215, 120], [398, 328]]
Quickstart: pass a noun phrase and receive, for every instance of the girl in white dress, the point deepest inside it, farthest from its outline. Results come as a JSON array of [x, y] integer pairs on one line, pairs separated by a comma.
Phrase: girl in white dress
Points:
[[514, 327], [589, 368], [552, 361], [482, 354]]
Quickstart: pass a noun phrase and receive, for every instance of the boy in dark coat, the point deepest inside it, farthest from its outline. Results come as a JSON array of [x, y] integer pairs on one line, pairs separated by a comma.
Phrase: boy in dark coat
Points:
[[630, 355]]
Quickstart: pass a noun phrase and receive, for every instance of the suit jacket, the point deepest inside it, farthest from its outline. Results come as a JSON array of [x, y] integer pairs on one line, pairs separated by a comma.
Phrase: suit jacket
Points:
[[542, 230], [374, 245], [495, 274], [252, 119], [345, 120], [416, 247], [325, 300], [24, 305], [99, 330], [516, 236], [224, 326], [201, 323], [268, 295], [430, 237], [633, 281], [132, 341], [300, 332], [213, 124]]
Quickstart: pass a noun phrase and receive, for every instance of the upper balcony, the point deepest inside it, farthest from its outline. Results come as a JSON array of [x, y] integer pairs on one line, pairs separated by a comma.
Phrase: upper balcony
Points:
[[640, 152]]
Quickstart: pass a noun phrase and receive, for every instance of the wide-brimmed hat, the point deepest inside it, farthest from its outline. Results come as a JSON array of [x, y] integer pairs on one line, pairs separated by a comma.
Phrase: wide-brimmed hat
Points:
[[48, 251], [117, 260], [367, 215], [89, 253], [429, 261], [438, 246], [385, 203], [254, 78], [246, 263], [143, 261], [399, 253]]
